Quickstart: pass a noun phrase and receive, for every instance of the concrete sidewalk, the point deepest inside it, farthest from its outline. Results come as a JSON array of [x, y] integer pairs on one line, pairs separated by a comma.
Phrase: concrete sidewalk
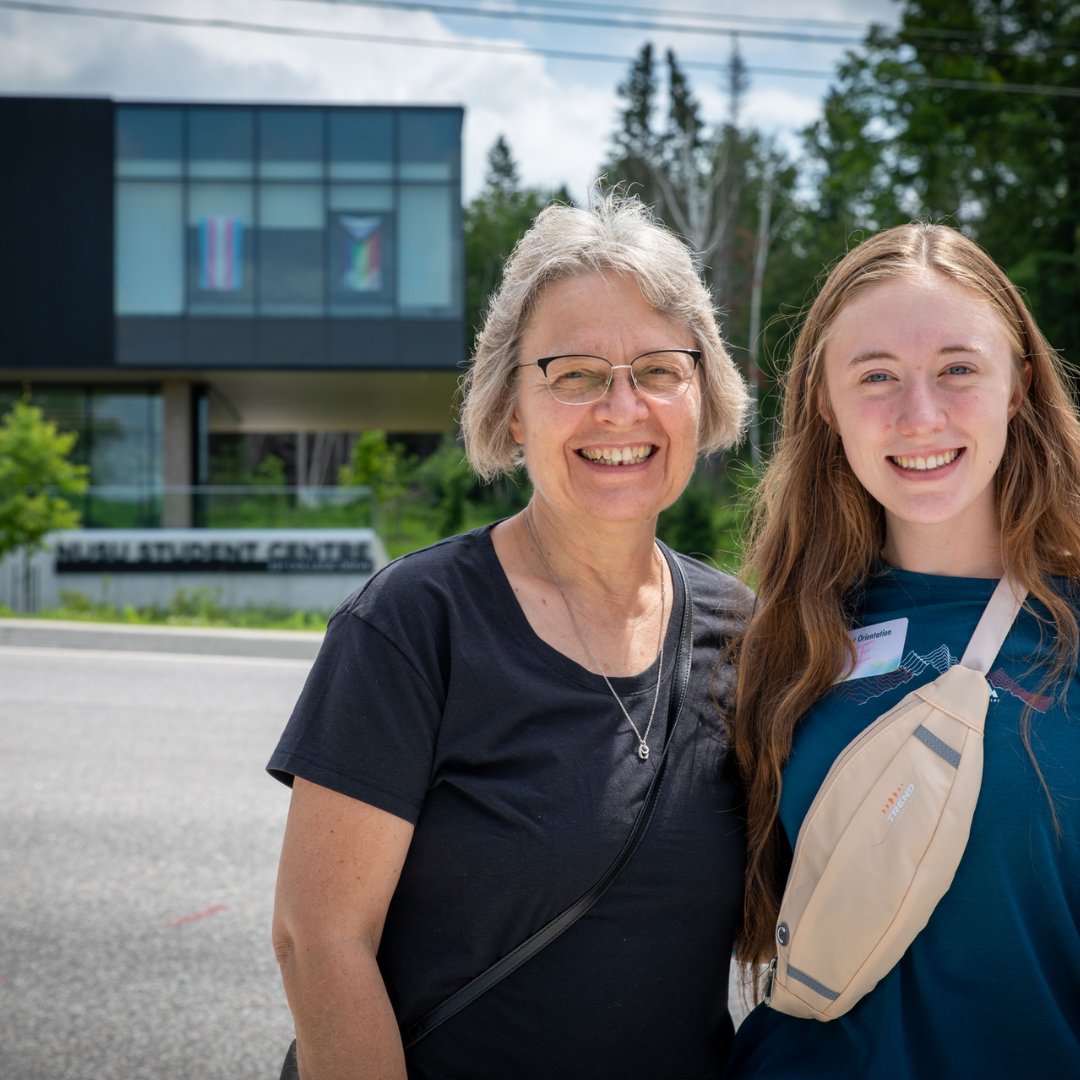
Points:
[[197, 640]]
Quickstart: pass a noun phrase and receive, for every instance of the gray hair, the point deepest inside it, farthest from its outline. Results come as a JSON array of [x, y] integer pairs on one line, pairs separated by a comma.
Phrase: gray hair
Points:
[[618, 235]]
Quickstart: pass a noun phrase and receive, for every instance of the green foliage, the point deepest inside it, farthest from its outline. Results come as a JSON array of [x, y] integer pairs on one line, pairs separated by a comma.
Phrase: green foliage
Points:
[[36, 479], [706, 522], [270, 472], [385, 468], [1005, 166], [688, 525], [448, 480], [196, 607], [494, 222], [632, 141]]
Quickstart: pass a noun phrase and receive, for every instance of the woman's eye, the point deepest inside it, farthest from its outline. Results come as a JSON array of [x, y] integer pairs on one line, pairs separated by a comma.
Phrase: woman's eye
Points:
[[958, 369], [877, 377]]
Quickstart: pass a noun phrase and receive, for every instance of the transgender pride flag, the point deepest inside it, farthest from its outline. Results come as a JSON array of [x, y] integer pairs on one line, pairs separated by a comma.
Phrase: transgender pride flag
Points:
[[221, 254]]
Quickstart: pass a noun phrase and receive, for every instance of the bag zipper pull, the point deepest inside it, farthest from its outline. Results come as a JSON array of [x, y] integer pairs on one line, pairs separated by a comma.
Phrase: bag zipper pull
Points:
[[770, 981]]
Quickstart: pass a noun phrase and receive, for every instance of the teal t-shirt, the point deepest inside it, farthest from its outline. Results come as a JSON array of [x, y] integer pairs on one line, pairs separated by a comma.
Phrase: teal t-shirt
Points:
[[991, 987]]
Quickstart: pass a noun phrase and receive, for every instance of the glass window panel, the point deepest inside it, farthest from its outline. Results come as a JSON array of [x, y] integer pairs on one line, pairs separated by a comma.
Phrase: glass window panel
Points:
[[149, 248], [125, 439], [291, 206], [361, 144], [220, 143], [291, 249], [430, 144], [219, 239], [65, 406], [149, 142], [291, 144], [361, 262], [361, 197], [426, 247]]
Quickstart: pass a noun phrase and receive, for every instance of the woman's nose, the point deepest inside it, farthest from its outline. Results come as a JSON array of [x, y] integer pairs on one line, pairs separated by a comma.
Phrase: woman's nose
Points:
[[623, 402], [921, 410]]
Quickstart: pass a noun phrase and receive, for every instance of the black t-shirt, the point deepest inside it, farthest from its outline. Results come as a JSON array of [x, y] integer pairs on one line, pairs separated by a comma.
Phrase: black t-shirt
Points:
[[432, 698]]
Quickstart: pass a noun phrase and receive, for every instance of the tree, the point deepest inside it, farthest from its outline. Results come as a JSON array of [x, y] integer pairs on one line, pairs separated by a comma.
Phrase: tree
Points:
[[36, 478], [728, 192], [494, 222], [693, 177], [927, 122], [447, 477]]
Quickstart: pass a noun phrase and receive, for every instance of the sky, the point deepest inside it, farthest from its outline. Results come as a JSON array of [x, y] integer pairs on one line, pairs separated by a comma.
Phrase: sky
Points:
[[557, 114]]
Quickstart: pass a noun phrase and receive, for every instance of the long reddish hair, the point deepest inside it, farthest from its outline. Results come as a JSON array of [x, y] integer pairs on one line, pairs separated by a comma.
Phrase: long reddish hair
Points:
[[816, 533]]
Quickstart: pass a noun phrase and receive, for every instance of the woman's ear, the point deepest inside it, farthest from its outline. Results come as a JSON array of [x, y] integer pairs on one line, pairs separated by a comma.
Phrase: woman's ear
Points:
[[823, 406], [1020, 390], [516, 432]]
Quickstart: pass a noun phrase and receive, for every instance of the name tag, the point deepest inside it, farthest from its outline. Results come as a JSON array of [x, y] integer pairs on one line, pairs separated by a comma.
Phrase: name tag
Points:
[[878, 649]]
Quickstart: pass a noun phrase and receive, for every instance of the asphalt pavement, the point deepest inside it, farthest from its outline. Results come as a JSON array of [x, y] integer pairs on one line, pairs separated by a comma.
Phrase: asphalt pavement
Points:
[[139, 838]]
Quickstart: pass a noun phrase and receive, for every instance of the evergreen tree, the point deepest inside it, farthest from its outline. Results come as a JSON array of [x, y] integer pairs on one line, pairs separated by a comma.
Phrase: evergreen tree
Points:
[[915, 129], [494, 222]]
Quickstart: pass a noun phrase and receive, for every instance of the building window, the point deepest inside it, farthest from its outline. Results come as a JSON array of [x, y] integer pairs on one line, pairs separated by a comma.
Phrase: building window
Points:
[[220, 242], [149, 247], [287, 212], [119, 432], [221, 144], [425, 269], [361, 144], [291, 243], [362, 248]]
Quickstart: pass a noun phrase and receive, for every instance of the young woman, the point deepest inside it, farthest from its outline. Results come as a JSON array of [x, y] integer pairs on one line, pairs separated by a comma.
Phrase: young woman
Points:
[[930, 445]]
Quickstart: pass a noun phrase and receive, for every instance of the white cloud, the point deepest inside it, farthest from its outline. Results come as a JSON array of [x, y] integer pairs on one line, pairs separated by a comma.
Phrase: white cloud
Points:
[[558, 117]]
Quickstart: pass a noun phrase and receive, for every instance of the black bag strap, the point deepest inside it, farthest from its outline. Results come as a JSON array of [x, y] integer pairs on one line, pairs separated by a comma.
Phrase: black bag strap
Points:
[[547, 934]]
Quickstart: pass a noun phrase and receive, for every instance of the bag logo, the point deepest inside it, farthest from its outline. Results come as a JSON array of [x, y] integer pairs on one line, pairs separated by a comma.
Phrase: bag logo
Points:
[[894, 805]]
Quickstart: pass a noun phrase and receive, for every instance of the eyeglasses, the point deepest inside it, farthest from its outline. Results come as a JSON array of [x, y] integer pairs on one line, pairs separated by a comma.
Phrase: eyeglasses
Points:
[[582, 380]]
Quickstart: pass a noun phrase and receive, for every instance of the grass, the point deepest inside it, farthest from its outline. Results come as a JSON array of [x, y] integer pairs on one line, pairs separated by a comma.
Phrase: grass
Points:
[[195, 607]]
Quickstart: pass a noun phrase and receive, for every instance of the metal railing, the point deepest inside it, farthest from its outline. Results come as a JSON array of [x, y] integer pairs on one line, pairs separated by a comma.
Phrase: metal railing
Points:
[[227, 506]]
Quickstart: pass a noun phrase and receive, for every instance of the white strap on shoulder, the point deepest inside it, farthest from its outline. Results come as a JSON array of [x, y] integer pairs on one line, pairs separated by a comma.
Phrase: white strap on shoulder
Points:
[[994, 626]]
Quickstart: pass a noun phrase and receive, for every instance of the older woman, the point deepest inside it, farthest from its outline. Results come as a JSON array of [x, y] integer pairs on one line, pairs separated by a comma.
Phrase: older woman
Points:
[[466, 887]]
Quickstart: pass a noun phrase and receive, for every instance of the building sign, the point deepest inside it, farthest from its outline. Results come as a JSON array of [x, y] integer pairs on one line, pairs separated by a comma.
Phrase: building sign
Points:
[[233, 555]]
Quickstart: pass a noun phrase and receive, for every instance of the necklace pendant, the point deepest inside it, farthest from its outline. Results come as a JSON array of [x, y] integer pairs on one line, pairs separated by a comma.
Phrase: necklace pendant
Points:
[[643, 751]]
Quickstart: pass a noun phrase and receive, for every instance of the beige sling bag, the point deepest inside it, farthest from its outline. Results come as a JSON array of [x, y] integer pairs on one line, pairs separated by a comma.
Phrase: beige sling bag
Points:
[[883, 837]]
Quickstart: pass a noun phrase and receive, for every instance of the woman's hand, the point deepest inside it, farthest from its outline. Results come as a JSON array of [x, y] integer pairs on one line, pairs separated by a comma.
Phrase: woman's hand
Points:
[[340, 863]]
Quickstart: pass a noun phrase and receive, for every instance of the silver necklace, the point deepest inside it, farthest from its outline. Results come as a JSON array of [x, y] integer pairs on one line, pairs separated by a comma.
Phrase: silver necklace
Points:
[[643, 746]]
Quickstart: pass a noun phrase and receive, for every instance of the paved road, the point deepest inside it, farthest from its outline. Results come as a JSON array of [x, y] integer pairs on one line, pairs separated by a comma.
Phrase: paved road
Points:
[[132, 797]]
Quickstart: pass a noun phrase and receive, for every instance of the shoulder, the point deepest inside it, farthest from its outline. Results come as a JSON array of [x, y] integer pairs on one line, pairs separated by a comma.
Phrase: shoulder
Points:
[[422, 579], [719, 598]]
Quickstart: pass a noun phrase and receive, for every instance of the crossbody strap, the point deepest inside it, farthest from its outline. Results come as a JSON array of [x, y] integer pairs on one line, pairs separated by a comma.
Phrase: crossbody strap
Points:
[[994, 626], [547, 934]]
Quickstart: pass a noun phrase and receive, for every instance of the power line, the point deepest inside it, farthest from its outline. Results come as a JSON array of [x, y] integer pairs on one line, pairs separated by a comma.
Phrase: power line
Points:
[[622, 22], [580, 5], [469, 45], [607, 22], [1003, 87], [472, 45]]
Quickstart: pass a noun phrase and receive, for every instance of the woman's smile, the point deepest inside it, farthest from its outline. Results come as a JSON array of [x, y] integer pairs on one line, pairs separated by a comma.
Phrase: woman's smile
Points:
[[928, 465], [607, 456]]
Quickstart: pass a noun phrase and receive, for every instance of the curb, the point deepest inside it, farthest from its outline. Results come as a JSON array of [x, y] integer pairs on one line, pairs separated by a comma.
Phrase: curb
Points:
[[195, 640]]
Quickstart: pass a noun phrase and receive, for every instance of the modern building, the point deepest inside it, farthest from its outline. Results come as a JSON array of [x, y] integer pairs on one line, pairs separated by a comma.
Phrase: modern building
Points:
[[172, 270]]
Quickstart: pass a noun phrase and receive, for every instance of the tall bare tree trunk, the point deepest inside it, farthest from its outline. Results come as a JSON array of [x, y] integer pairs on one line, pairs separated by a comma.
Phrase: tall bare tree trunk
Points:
[[762, 243]]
